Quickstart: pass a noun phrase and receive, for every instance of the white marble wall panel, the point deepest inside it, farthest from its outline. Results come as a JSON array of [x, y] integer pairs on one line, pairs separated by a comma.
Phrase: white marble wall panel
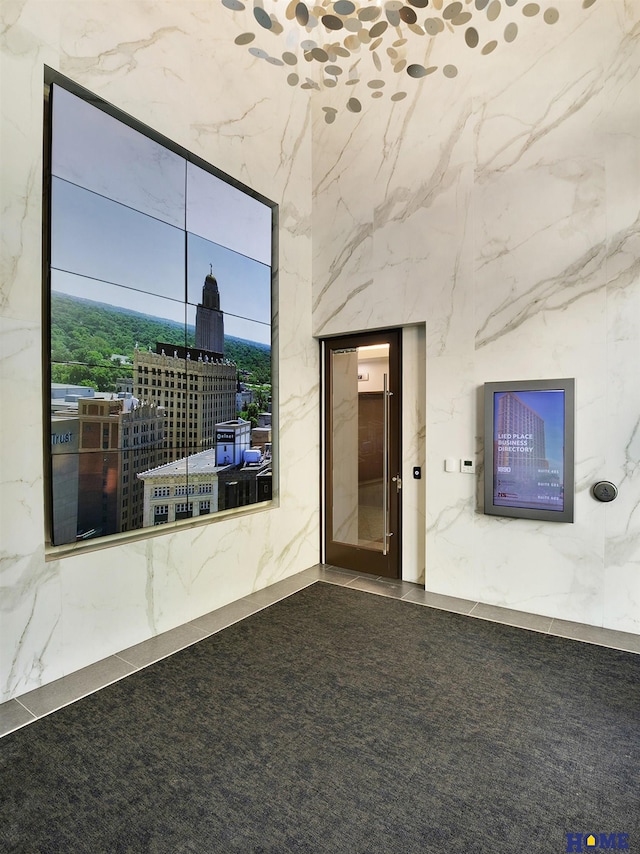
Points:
[[503, 213], [451, 496], [174, 67], [413, 448]]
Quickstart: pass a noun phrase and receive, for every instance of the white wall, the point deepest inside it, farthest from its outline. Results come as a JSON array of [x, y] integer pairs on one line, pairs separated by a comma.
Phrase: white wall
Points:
[[174, 66], [500, 208]]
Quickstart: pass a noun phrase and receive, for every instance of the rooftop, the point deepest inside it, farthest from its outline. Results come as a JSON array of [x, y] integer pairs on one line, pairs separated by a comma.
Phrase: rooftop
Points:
[[202, 463]]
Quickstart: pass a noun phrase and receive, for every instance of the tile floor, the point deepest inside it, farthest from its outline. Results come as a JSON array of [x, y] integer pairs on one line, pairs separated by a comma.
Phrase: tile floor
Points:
[[42, 701]]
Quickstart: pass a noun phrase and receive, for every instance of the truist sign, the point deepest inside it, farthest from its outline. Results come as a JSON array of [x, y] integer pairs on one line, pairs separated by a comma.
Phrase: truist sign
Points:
[[62, 438]]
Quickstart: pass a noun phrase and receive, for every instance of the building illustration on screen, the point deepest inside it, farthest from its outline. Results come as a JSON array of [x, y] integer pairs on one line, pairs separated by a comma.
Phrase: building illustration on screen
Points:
[[523, 476], [520, 435]]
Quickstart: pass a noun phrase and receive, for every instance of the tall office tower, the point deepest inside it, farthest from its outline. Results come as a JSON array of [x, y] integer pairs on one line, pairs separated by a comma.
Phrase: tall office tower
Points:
[[515, 418], [196, 386], [210, 320], [195, 391]]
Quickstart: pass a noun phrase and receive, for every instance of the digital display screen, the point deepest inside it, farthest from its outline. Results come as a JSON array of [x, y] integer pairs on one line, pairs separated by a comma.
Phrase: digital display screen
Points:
[[159, 294], [528, 458], [529, 449]]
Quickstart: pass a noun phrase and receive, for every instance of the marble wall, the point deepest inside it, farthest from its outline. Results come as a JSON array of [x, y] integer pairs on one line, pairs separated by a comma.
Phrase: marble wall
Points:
[[494, 212], [499, 207], [173, 66]]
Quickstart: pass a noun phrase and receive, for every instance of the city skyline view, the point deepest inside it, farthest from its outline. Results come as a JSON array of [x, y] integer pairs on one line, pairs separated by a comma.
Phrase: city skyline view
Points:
[[165, 354]]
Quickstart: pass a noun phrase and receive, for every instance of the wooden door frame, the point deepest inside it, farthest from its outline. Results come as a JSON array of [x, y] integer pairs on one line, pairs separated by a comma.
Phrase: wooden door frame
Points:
[[358, 558]]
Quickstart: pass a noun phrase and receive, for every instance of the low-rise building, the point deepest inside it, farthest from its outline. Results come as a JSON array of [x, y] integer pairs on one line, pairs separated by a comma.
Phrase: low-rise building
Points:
[[181, 489]]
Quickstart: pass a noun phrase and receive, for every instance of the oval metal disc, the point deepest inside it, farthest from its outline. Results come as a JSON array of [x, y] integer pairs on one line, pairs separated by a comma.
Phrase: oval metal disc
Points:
[[302, 14], [378, 29], [433, 26], [452, 10], [415, 70], [369, 13], [344, 7], [332, 22], [471, 37], [408, 15], [493, 12], [510, 32], [262, 17]]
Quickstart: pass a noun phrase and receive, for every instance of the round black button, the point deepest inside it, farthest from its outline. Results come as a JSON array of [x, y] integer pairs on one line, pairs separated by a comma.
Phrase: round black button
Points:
[[604, 490]]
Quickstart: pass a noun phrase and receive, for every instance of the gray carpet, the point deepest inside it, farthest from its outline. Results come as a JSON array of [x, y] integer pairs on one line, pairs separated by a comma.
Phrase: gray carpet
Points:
[[338, 721]]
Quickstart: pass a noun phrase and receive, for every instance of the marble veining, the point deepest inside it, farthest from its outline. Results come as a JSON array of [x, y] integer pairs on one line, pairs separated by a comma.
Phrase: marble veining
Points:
[[501, 211], [554, 294], [167, 66], [123, 57]]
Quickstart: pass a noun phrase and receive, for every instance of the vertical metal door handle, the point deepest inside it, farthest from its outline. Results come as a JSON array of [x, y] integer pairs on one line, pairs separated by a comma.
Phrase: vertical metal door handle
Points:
[[385, 466]]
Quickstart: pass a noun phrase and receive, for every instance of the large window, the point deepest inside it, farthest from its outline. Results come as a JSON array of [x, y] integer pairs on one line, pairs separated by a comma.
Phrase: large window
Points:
[[158, 272]]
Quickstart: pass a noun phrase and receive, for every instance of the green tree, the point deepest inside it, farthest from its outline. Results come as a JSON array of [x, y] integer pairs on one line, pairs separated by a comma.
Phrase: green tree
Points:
[[252, 414]]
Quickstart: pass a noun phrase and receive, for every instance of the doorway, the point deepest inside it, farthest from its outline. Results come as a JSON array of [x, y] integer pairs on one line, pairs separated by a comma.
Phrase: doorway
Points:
[[362, 443]]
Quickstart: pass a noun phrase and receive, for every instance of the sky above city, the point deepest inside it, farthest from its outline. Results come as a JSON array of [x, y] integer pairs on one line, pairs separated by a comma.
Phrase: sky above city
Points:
[[120, 206]]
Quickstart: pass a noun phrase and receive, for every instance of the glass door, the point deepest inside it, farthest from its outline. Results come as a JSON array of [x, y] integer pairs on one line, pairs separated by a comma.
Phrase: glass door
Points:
[[362, 453]]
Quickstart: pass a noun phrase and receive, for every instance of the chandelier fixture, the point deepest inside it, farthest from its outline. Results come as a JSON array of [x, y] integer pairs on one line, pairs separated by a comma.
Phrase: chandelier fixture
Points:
[[349, 42]]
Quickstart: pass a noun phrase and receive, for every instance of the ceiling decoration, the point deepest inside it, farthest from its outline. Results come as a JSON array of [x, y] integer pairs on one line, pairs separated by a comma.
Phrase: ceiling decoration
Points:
[[359, 43]]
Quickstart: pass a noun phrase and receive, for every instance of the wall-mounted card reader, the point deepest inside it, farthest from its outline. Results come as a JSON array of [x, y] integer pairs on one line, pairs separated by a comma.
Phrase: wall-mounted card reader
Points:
[[468, 465]]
